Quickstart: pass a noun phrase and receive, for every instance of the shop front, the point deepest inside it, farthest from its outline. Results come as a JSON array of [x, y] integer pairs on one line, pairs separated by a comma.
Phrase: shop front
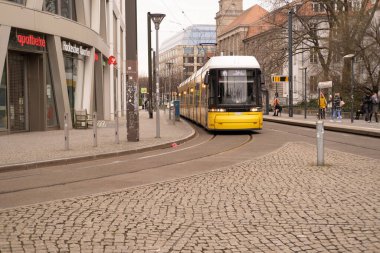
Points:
[[27, 100]]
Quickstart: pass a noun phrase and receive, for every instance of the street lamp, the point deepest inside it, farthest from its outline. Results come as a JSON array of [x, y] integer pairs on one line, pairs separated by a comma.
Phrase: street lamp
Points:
[[352, 57], [304, 68], [157, 18]]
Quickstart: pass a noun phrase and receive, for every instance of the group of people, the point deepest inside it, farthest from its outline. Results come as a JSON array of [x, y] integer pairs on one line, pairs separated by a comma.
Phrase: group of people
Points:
[[337, 104], [370, 106]]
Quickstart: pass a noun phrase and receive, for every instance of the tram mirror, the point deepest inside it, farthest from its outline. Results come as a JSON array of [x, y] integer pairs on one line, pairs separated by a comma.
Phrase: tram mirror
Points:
[[206, 78]]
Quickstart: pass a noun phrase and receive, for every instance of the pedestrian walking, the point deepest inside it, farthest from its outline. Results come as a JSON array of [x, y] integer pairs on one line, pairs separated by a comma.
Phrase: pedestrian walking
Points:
[[367, 107], [322, 106], [337, 107], [375, 106]]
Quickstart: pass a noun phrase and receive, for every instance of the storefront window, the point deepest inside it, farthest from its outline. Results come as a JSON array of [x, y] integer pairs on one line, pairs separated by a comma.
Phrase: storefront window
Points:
[[51, 113], [3, 101], [71, 69]]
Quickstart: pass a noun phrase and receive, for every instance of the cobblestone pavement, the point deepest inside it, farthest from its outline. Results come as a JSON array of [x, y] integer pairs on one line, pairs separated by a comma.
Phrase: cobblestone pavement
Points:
[[280, 202]]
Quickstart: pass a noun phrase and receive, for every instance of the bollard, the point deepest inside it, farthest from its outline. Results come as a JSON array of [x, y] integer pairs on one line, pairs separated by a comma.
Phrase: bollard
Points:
[[320, 146], [117, 128], [66, 127], [95, 128]]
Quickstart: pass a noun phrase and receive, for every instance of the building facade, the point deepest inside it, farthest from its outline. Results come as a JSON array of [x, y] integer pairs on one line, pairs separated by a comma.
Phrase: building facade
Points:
[[184, 53], [58, 57]]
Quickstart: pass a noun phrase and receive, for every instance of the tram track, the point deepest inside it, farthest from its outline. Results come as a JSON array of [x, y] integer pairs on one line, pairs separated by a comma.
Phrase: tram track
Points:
[[136, 163]]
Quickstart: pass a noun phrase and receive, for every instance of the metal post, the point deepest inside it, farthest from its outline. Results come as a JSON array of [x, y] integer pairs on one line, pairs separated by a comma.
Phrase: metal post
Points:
[[290, 31], [157, 18], [66, 127], [169, 64], [117, 141], [320, 145], [95, 128], [305, 94], [157, 89], [352, 90]]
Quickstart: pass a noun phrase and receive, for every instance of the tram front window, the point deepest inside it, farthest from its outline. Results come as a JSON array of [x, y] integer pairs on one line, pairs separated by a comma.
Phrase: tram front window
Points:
[[236, 87]]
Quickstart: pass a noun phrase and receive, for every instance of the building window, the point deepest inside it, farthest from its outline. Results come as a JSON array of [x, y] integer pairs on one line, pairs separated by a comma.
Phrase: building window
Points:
[[17, 1], [318, 7], [188, 50], [188, 59], [65, 8], [313, 55]]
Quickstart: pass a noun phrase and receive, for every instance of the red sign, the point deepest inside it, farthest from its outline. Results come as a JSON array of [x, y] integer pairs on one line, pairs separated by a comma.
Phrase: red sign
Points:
[[31, 40], [112, 60], [96, 57]]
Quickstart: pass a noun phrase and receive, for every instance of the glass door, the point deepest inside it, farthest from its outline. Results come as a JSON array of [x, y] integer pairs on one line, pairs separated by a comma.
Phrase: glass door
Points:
[[17, 92], [3, 101]]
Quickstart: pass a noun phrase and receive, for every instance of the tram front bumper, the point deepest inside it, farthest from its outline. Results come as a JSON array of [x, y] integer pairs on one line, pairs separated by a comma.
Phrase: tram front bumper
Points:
[[238, 121]]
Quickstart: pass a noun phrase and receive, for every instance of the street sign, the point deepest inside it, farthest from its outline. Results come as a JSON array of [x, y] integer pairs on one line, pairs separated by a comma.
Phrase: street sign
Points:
[[323, 85], [143, 90], [277, 79]]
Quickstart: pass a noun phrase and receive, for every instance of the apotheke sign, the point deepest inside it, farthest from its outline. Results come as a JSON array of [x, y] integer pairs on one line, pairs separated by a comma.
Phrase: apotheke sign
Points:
[[73, 48]]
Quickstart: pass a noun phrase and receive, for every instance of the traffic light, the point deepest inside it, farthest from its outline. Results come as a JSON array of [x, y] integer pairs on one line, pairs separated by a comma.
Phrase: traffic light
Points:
[[277, 79]]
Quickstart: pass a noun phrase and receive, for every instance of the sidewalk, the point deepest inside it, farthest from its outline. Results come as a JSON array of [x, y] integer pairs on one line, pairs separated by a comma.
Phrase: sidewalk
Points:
[[36, 149], [360, 127]]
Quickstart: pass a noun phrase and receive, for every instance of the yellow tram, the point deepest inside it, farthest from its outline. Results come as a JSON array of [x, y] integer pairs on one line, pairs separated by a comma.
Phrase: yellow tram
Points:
[[225, 94]]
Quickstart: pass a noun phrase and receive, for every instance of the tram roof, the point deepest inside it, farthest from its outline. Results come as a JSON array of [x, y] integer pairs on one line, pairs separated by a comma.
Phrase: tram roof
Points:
[[225, 62]]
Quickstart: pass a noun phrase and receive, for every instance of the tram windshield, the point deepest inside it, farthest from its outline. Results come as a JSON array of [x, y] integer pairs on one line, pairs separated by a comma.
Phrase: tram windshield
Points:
[[236, 87]]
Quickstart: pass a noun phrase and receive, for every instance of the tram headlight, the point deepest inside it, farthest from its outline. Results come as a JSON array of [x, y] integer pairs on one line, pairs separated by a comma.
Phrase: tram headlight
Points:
[[255, 109], [217, 110]]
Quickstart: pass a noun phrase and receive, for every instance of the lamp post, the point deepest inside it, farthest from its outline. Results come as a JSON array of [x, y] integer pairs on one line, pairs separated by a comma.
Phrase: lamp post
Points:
[[157, 18], [352, 57], [304, 94]]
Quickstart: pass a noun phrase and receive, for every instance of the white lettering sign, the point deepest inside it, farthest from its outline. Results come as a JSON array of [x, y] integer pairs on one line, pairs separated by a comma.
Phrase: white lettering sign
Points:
[[73, 48]]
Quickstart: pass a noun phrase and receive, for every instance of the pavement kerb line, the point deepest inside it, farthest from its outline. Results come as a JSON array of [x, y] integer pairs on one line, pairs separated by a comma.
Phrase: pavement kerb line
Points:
[[344, 129], [148, 184], [76, 159]]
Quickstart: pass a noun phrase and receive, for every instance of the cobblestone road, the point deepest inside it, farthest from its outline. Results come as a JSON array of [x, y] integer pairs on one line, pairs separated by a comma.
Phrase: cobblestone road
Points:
[[280, 202]]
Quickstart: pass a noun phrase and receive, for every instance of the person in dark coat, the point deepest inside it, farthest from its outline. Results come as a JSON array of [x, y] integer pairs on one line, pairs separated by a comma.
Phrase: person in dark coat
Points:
[[367, 107]]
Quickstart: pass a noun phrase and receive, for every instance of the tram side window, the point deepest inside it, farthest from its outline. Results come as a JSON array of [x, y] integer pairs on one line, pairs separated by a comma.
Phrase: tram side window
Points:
[[213, 89], [250, 87]]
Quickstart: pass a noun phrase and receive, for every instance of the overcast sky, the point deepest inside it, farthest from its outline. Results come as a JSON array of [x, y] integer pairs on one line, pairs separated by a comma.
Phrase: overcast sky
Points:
[[179, 15]]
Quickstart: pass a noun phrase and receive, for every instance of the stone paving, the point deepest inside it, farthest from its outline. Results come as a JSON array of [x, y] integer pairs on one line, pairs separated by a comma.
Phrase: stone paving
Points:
[[280, 202], [49, 145]]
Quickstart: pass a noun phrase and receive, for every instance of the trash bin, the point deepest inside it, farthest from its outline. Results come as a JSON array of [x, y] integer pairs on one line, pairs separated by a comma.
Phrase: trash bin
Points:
[[176, 110]]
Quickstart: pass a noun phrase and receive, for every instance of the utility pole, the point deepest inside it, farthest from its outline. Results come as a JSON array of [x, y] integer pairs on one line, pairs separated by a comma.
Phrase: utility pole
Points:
[[290, 31], [150, 84]]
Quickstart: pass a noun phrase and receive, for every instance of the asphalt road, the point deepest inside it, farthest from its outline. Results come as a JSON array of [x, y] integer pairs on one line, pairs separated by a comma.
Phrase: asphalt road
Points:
[[206, 152]]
